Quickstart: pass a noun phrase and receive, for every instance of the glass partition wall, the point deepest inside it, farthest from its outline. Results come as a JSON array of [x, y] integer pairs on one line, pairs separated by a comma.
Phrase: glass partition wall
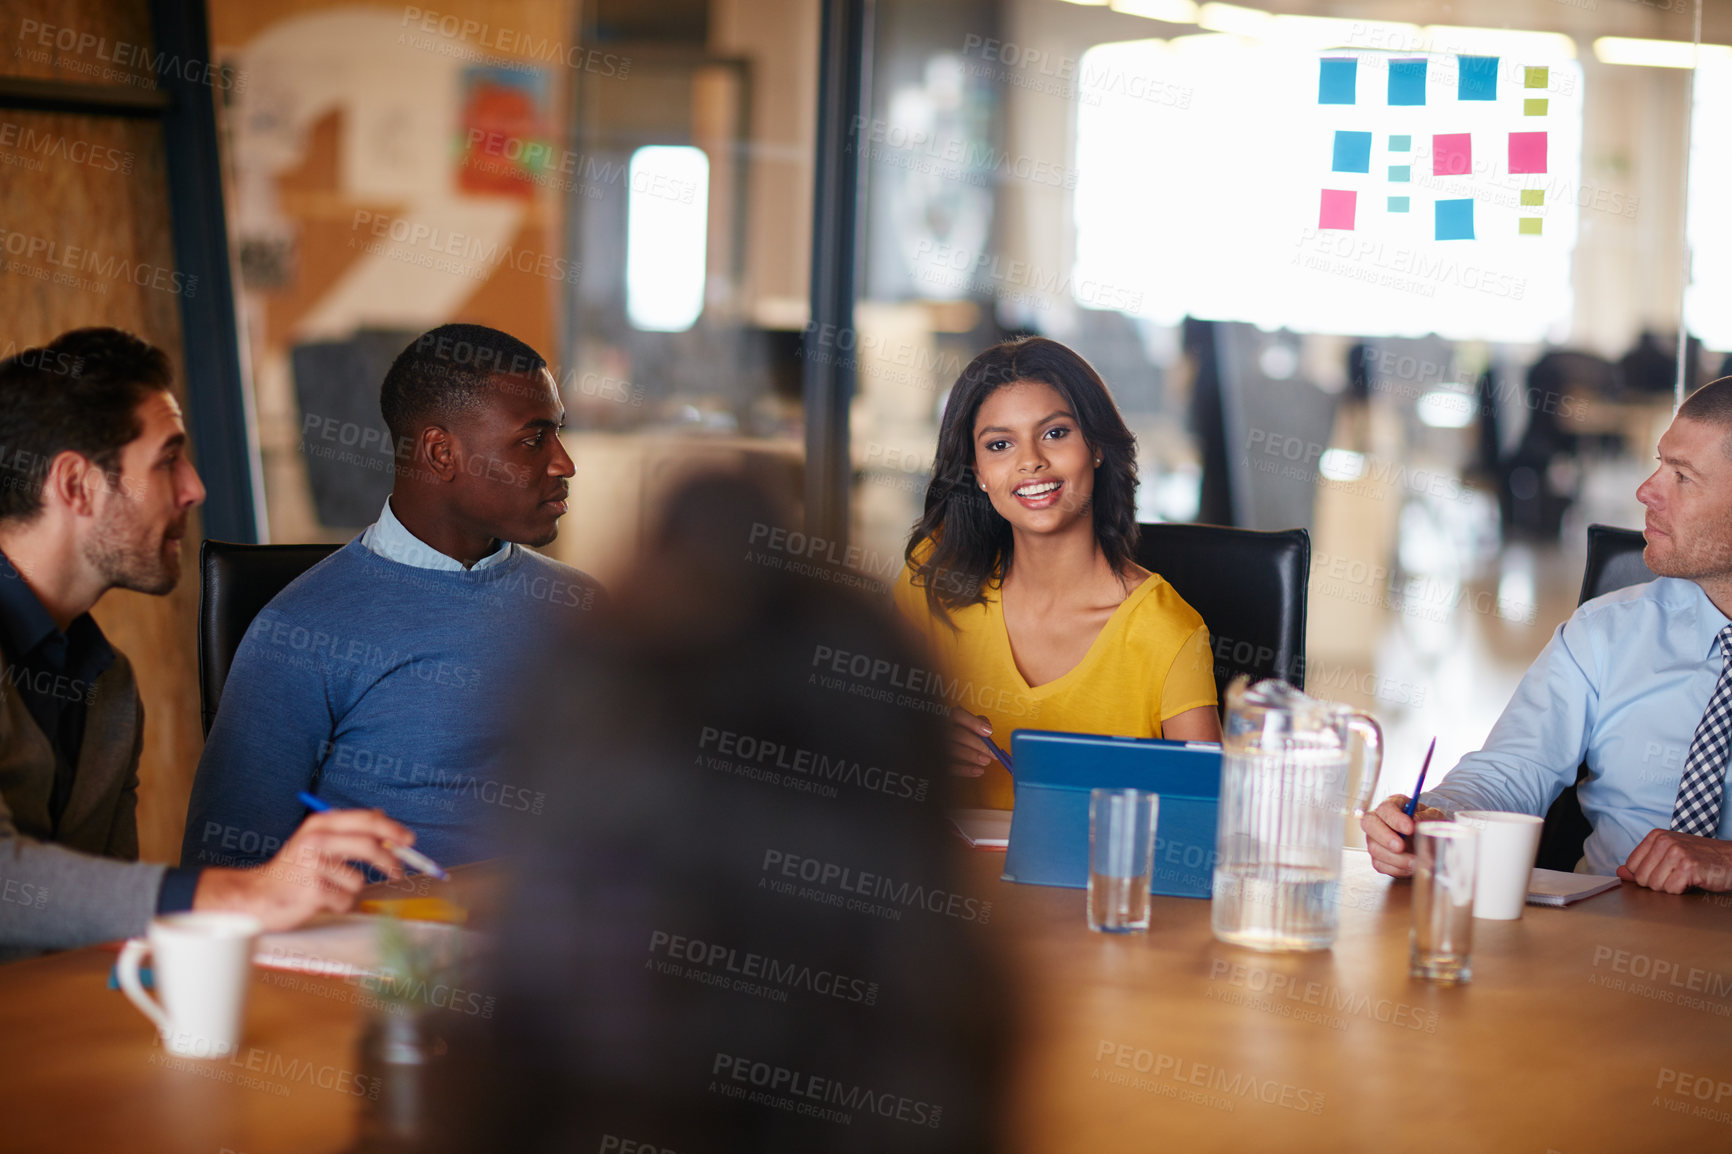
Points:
[[626, 186], [1409, 274]]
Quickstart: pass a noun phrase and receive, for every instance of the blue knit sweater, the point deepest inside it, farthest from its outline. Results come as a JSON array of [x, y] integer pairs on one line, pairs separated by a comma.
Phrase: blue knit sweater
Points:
[[379, 685]]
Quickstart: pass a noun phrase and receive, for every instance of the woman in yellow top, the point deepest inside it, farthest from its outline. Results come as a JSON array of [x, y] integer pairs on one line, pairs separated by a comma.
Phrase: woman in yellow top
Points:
[[1022, 571]]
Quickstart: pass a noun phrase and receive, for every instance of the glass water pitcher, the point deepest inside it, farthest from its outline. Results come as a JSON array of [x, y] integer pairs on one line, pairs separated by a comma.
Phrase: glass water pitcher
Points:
[[1293, 771]]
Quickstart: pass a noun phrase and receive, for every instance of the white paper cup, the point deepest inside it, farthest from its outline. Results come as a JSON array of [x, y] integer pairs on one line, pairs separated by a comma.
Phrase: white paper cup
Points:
[[1508, 844]]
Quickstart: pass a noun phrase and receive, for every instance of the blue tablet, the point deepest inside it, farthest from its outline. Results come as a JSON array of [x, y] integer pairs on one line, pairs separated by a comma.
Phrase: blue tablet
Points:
[[1049, 829]]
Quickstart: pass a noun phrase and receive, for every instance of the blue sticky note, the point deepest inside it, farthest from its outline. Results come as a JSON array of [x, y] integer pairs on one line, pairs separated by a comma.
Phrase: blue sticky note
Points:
[[1407, 82], [1338, 81], [1401, 144], [1352, 152], [1455, 219], [1398, 204], [1478, 78], [1400, 173]]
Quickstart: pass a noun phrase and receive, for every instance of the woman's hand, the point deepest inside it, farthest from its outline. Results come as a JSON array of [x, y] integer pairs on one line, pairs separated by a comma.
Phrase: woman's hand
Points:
[[969, 756]]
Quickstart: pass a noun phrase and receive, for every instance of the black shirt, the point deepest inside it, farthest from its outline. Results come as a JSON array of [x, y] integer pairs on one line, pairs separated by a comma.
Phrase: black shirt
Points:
[[54, 673]]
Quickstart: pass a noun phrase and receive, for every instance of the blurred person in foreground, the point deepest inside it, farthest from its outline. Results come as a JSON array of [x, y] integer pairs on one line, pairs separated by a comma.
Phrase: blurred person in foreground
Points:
[[738, 924], [1638, 683]]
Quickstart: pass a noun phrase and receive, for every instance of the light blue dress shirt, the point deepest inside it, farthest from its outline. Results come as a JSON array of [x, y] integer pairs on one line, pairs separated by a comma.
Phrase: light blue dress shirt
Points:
[[391, 540], [1622, 684]]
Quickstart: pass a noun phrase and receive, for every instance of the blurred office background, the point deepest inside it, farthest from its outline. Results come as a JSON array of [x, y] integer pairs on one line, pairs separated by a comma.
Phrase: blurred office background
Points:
[[770, 233]]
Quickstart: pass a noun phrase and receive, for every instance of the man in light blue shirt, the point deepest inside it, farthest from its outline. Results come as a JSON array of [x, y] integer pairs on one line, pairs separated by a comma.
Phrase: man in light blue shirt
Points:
[[1623, 684]]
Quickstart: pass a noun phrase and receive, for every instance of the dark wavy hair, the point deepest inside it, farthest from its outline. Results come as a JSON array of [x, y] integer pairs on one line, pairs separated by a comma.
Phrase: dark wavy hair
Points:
[[971, 541], [79, 393]]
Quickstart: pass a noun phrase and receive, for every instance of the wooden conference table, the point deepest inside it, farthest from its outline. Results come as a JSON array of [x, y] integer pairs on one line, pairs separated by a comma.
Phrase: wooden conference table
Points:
[[1603, 1027]]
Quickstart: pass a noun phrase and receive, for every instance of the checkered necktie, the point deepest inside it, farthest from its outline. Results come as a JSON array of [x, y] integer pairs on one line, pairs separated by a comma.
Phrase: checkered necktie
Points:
[[1698, 807]]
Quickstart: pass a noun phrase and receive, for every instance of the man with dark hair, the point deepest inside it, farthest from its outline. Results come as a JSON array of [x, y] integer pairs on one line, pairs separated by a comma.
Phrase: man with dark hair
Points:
[[1637, 682], [96, 494], [384, 674]]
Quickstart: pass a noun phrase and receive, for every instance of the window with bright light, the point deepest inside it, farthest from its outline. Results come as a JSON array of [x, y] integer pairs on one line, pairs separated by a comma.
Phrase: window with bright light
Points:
[[667, 231], [1708, 295], [1246, 179]]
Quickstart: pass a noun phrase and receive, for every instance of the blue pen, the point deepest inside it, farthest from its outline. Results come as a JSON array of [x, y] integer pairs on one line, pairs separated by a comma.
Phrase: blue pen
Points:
[[1003, 757], [1419, 786], [412, 858], [1412, 805]]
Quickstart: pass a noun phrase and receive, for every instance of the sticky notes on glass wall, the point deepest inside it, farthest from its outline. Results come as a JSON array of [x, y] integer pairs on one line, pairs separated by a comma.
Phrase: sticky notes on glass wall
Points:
[[1537, 77], [1337, 81], [1527, 152], [1398, 204], [1454, 219], [1400, 173], [1452, 154], [1352, 152], [1337, 209], [1407, 82], [1401, 144], [1528, 226], [1532, 196], [1477, 79], [1535, 107]]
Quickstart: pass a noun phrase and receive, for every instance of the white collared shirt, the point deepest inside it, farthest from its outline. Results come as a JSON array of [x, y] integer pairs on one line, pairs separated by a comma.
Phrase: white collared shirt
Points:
[[389, 539]]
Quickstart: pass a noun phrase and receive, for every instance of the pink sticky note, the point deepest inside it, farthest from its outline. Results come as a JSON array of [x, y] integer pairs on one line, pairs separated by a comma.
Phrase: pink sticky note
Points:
[[1452, 154], [1338, 205], [1527, 152]]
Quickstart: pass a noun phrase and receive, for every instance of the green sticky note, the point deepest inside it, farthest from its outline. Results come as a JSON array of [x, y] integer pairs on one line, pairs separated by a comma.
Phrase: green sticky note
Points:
[[1540, 77], [1530, 226], [1533, 196], [1534, 107]]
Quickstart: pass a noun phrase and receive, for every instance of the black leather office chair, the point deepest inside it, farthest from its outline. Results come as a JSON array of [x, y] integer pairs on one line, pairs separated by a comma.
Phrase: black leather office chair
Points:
[[1614, 562], [235, 582], [1248, 585]]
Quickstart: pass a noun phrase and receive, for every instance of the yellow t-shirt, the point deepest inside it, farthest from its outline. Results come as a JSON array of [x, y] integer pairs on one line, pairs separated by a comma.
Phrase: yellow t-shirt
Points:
[[1150, 662]]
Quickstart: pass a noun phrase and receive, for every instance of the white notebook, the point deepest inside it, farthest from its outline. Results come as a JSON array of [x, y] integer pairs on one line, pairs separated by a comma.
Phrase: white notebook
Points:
[[982, 828], [343, 946], [1557, 888]]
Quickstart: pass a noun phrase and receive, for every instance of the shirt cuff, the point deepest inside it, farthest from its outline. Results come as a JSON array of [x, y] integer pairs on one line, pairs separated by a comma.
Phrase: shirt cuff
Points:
[[178, 886]]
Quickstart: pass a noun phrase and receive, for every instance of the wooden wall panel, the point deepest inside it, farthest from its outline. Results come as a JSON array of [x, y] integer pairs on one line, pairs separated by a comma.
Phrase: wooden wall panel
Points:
[[82, 41], [98, 183]]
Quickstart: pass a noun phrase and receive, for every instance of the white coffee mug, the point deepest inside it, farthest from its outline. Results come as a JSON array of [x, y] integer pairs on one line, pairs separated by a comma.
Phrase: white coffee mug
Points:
[[203, 963], [1508, 843]]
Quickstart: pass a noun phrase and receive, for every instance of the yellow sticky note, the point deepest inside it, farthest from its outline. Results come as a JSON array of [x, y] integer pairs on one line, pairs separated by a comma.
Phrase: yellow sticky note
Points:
[[1534, 107], [1533, 196], [1530, 226], [1540, 77]]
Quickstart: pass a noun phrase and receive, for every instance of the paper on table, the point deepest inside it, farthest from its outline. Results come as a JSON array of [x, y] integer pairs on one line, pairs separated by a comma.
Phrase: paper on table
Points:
[[1557, 888], [982, 828], [338, 947], [345, 947]]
